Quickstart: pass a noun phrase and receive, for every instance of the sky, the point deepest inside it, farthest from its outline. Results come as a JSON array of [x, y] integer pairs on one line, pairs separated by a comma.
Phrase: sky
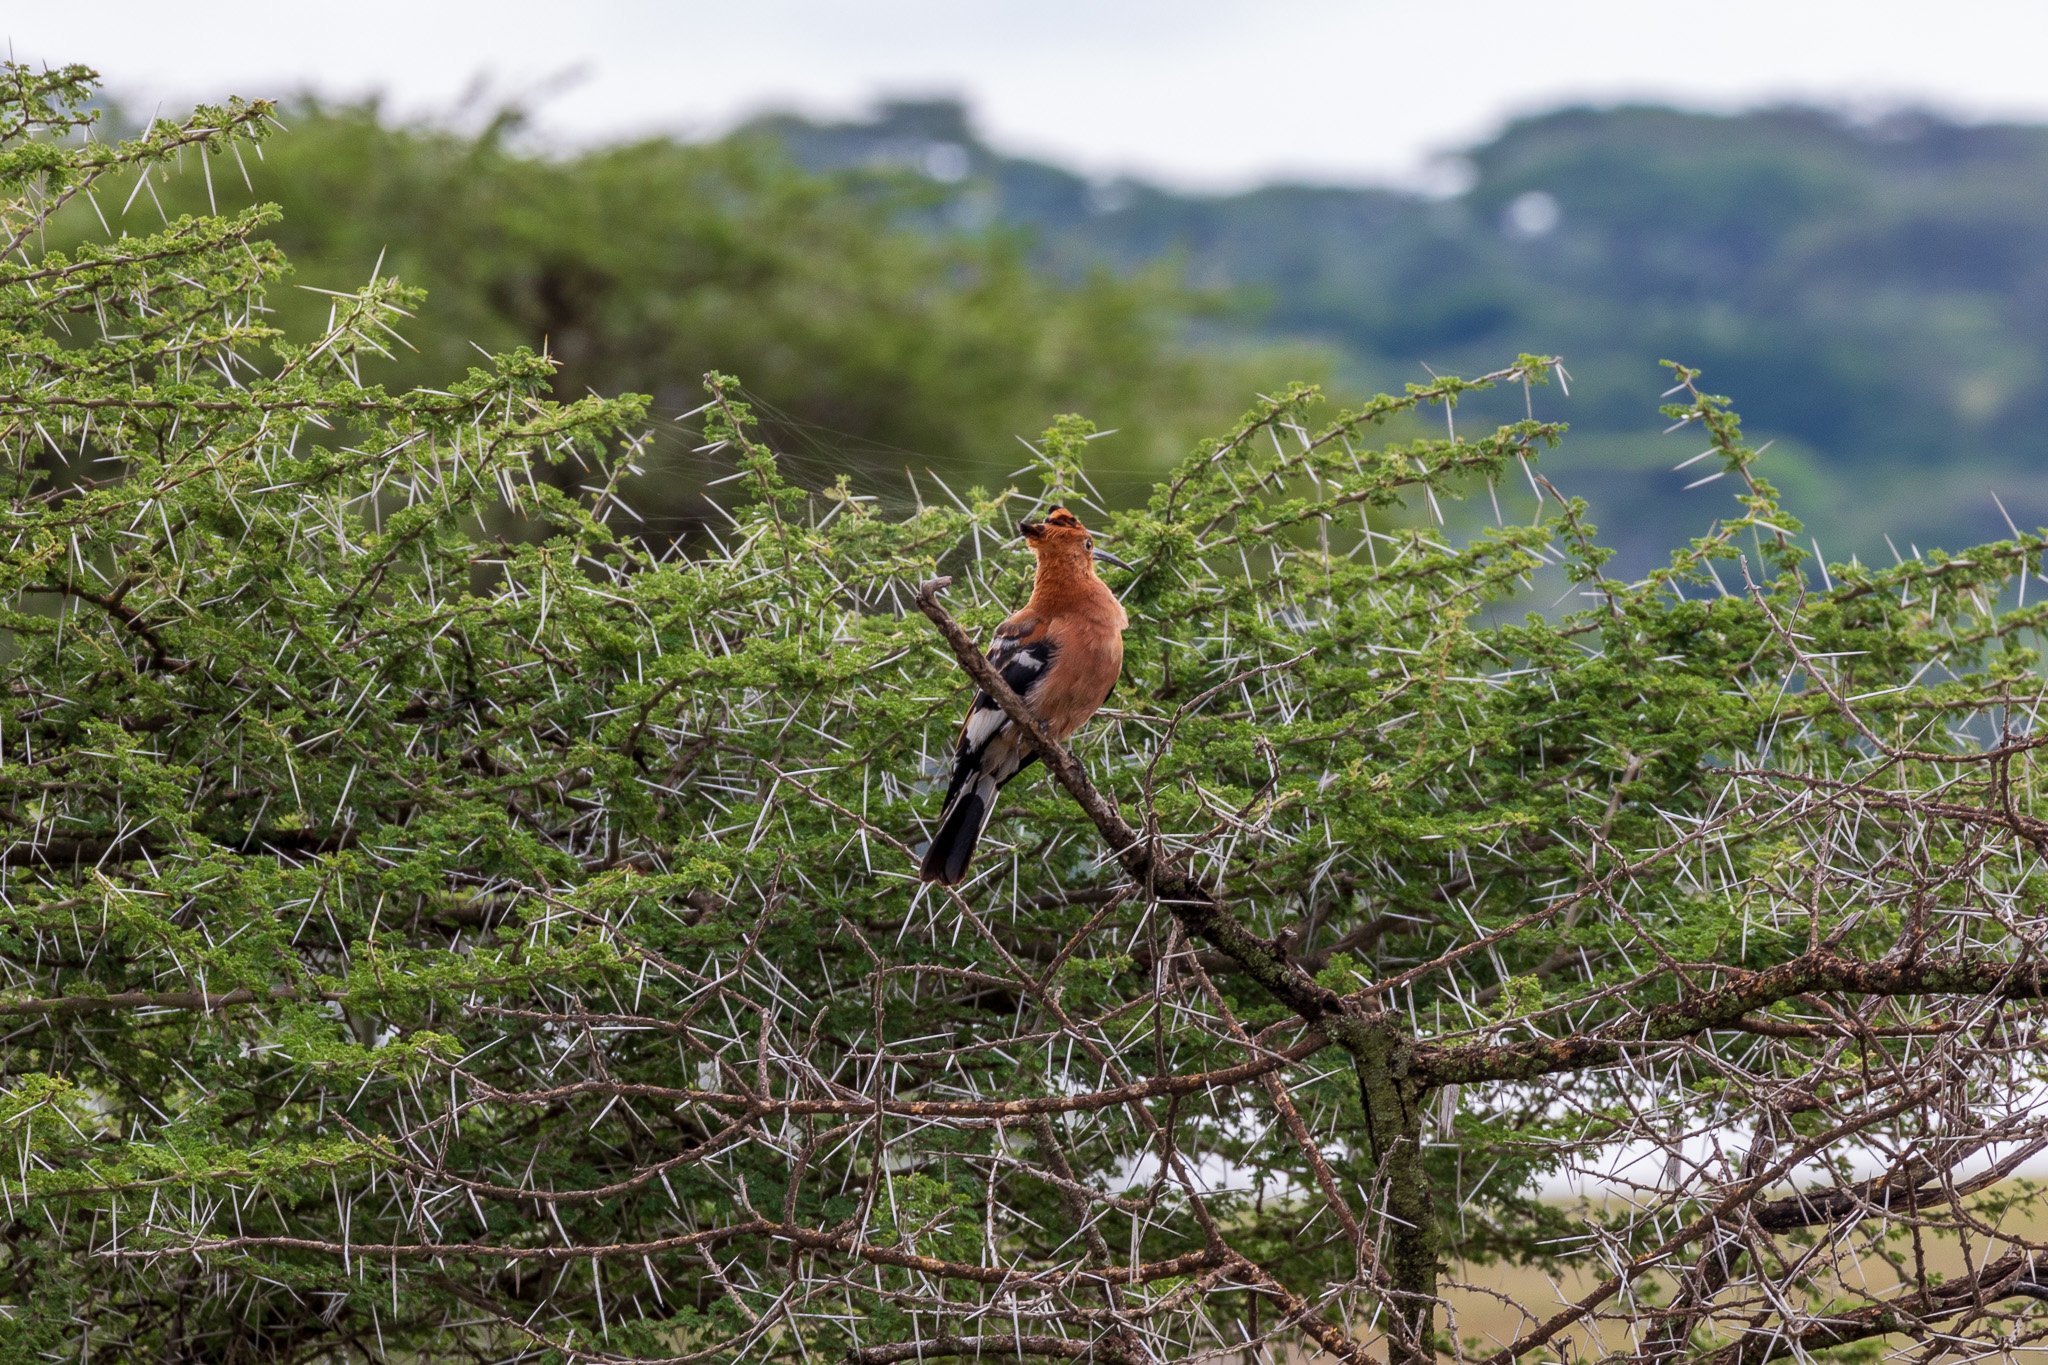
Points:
[[1197, 93]]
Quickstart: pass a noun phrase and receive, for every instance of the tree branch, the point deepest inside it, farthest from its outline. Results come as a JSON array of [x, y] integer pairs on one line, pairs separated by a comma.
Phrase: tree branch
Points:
[[2011, 1276], [207, 1001], [1191, 901], [991, 1347], [1389, 1090], [1726, 1006]]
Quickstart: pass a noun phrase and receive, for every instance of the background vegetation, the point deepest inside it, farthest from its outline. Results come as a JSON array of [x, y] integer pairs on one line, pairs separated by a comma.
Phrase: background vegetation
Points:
[[870, 346], [1872, 290]]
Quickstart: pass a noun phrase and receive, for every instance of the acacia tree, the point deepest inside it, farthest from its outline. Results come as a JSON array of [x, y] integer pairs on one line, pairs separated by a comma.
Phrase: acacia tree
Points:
[[440, 925]]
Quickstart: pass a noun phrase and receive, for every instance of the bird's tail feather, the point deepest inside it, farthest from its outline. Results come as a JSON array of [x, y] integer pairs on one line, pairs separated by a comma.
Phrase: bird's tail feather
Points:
[[945, 862]]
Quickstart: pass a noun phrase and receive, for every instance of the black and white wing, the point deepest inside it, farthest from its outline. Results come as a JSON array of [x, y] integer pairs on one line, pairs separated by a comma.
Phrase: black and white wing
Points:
[[989, 753]]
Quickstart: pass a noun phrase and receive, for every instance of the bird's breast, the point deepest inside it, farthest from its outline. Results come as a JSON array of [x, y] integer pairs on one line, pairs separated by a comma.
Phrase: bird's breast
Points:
[[1085, 670]]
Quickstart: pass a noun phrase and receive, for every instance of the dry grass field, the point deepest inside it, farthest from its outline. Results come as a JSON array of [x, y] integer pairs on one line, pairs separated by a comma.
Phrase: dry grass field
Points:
[[1490, 1306]]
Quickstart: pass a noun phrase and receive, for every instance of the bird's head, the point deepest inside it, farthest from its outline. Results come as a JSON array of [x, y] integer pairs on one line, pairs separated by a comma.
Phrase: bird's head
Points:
[[1061, 536]]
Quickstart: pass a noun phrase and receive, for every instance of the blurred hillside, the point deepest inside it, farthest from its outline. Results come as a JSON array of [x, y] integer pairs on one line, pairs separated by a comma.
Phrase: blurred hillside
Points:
[[898, 295], [1871, 293]]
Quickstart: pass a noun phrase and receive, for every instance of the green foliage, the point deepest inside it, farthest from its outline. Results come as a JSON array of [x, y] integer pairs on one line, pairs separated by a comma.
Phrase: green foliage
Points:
[[640, 267], [423, 942]]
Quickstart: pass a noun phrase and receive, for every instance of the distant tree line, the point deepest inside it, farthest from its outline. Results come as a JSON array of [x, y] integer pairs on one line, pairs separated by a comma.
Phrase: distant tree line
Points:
[[900, 296], [870, 346], [1871, 288]]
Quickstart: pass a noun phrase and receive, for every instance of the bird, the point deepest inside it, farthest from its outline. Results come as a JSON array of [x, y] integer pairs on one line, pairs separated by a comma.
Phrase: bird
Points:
[[1062, 653]]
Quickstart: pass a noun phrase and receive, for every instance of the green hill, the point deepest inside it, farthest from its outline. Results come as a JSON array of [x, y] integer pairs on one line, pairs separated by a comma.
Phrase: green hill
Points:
[[1872, 292]]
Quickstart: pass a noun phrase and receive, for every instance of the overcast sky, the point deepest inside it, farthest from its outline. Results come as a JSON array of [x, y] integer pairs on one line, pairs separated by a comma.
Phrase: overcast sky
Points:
[[1197, 92]]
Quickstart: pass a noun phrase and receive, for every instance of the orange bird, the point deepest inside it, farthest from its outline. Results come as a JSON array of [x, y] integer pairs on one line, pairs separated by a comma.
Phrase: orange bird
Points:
[[1061, 653]]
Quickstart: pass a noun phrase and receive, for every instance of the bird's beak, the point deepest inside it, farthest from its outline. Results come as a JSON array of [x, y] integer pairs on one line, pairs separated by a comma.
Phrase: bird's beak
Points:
[[1108, 558]]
